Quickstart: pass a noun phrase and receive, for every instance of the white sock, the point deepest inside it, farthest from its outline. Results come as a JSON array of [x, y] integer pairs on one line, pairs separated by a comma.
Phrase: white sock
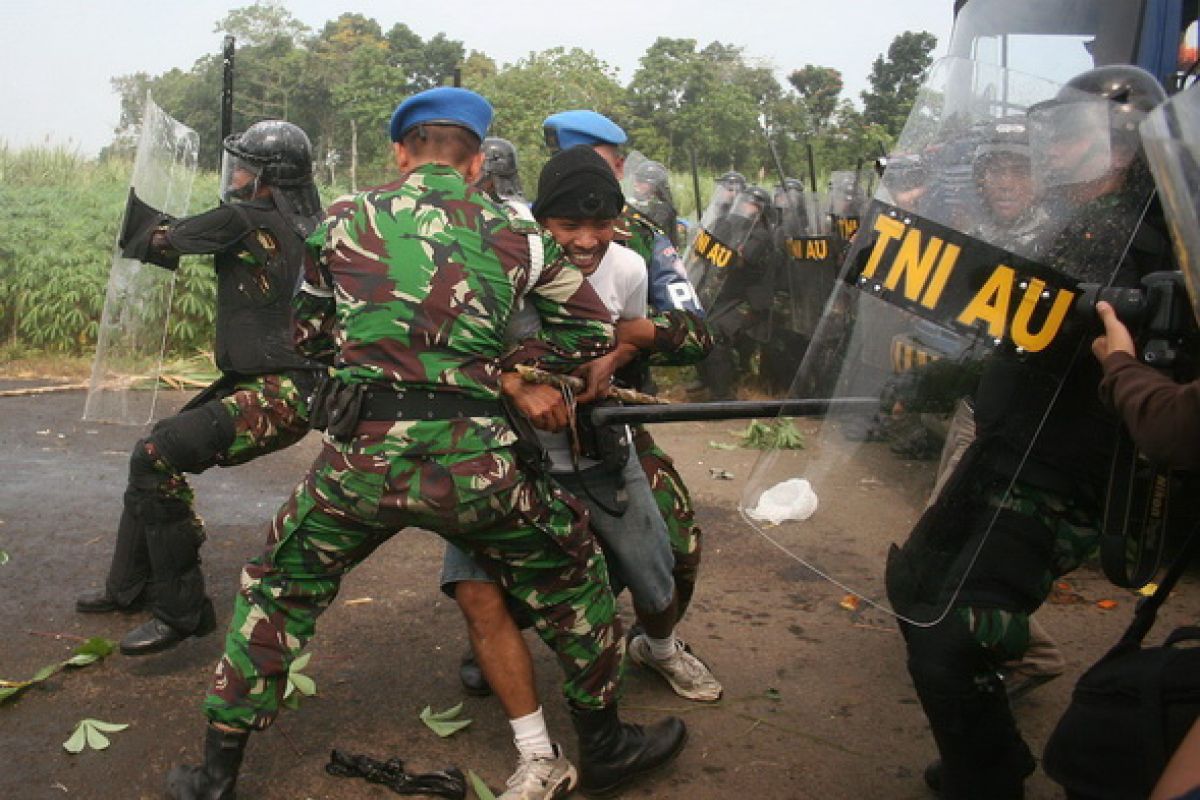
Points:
[[661, 649], [531, 736]]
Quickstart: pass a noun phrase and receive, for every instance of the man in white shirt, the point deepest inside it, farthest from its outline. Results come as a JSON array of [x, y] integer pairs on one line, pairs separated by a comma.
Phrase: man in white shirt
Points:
[[578, 202]]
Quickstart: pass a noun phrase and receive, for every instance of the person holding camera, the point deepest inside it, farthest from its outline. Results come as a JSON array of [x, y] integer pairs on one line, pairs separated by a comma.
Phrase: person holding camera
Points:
[[1161, 414]]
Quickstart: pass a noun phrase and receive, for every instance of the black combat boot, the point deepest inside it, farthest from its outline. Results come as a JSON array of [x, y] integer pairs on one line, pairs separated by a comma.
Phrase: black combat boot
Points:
[[612, 753], [217, 777]]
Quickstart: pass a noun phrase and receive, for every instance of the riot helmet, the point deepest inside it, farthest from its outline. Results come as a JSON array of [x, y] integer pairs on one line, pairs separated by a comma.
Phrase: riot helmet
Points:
[[651, 180], [728, 186], [499, 176], [790, 208], [650, 193], [732, 179], [277, 155], [1089, 129], [1002, 169]]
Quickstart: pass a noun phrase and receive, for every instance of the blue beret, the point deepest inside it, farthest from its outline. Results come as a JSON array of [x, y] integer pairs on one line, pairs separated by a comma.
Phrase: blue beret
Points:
[[445, 105], [566, 129]]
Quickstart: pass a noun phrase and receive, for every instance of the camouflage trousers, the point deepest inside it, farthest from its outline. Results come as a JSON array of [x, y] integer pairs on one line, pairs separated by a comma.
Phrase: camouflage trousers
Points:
[[159, 535], [954, 664], [268, 413], [531, 538], [1005, 634], [675, 505]]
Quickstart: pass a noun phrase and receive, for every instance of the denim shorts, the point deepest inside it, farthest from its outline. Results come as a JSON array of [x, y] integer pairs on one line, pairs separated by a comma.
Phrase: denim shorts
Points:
[[636, 544]]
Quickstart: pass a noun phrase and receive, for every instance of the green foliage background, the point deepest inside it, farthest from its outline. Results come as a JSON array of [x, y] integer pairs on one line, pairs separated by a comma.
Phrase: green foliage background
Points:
[[59, 212]]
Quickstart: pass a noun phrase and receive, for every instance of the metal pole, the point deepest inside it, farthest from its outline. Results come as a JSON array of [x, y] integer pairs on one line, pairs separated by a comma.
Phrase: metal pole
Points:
[[696, 183], [227, 88], [731, 409], [812, 167]]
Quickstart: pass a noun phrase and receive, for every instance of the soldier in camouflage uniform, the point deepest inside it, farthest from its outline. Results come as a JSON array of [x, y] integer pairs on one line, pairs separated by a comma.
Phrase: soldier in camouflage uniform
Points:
[[407, 291], [260, 403], [685, 336], [1022, 507]]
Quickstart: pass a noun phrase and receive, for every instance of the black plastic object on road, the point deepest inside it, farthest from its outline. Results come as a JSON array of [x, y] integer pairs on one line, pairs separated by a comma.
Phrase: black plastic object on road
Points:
[[449, 783]]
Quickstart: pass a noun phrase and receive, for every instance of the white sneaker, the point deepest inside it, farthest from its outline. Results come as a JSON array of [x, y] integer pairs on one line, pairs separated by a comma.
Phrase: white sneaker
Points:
[[541, 778], [688, 675]]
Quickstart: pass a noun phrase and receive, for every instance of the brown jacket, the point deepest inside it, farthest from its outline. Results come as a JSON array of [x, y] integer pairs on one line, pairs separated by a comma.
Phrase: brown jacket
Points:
[[1162, 416]]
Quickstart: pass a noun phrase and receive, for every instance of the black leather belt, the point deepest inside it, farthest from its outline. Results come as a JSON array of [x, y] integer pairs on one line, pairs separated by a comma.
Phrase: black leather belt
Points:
[[417, 404]]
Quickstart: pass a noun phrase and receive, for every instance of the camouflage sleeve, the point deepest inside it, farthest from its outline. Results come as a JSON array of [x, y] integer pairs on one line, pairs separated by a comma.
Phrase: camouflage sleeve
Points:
[[680, 338], [576, 325], [313, 307]]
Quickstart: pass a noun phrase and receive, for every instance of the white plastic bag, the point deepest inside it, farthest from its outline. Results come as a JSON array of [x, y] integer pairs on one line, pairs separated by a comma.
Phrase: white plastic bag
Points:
[[792, 499]]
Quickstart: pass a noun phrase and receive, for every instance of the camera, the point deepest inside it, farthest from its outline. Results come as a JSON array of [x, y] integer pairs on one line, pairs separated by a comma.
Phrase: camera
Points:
[[1157, 313]]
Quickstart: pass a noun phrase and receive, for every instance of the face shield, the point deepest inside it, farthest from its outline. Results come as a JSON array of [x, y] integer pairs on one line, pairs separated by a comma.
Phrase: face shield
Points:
[[239, 178], [1071, 142], [1171, 137]]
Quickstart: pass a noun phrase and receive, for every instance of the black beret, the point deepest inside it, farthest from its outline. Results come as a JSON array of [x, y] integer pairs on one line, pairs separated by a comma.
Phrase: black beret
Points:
[[577, 183]]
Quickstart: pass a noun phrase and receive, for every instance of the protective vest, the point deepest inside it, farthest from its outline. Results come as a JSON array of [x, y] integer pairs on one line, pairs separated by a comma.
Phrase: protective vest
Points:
[[254, 296]]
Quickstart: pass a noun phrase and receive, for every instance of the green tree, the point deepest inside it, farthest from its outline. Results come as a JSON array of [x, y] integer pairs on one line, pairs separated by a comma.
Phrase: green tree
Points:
[[708, 100], [819, 88], [541, 84], [895, 79], [261, 23]]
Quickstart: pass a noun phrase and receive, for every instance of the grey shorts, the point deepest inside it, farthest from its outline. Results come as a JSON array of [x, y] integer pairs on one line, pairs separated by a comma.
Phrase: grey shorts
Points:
[[636, 544]]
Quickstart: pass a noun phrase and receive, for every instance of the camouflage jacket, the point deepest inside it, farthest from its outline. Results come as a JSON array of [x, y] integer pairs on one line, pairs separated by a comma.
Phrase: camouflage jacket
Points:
[[412, 285], [681, 335]]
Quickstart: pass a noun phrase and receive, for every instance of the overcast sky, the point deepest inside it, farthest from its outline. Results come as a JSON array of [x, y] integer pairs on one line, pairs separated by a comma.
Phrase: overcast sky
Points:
[[59, 55]]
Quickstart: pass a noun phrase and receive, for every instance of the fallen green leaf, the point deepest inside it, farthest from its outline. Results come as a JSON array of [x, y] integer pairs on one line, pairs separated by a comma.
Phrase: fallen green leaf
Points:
[[96, 740], [298, 683], [97, 646], [304, 684], [89, 652], [442, 722], [90, 733], [77, 740], [779, 434], [773, 694], [722, 445], [479, 787], [3, 557]]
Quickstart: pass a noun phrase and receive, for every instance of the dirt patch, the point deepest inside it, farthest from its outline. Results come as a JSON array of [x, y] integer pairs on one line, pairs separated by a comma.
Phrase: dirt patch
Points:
[[818, 703]]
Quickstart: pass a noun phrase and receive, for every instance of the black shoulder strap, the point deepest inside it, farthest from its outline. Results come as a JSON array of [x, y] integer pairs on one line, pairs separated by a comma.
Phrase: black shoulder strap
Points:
[[1147, 610], [1133, 530]]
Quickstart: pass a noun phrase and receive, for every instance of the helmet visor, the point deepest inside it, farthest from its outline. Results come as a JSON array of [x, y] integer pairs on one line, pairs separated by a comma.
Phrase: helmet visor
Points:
[[1071, 142], [1171, 136], [239, 178]]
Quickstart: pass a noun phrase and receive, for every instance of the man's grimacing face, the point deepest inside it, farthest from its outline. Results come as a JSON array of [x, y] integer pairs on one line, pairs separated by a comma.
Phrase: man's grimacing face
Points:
[[585, 241]]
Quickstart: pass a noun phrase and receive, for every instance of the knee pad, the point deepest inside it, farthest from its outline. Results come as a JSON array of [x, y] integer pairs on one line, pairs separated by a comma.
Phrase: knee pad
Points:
[[192, 441]]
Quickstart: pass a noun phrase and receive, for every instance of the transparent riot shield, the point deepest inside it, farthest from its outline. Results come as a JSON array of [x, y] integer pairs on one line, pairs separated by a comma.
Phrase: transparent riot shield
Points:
[[647, 189], [944, 352], [734, 234], [133, 326], [809, 258], [731, 266], [849, 194], [1171, 135]]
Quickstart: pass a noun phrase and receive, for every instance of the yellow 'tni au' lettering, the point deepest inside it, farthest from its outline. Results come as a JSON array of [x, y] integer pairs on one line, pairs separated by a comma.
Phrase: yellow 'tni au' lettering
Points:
[[933, 292], [702, 240], [913, 264], [991, 303], [1035, 342], [817, 249], [888, 229]]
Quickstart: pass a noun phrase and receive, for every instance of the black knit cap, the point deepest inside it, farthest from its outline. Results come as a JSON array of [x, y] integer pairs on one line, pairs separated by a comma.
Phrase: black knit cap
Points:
[[578, 184]]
